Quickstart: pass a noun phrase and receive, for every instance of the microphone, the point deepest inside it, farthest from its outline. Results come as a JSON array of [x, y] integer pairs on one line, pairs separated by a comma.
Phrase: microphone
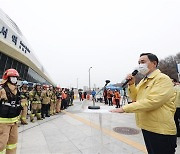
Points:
[[127, 80], [107, 81]]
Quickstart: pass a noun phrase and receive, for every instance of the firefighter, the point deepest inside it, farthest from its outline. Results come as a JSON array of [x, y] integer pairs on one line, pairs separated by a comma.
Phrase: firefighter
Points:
[[24, 102], [46, 97], [58, 96], [63, 96], [35, 98], [68, 97], [52, 101], [10, 109]]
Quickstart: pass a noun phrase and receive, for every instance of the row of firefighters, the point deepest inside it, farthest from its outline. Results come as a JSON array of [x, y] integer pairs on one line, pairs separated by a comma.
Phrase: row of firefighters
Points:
[[44, 101]]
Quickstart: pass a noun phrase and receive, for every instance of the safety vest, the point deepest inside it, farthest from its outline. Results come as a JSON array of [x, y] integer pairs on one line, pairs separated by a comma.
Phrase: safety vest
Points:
[[10, 109]]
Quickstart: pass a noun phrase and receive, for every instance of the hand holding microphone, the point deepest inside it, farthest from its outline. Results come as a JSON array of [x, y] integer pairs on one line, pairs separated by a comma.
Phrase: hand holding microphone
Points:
[[130, 79]]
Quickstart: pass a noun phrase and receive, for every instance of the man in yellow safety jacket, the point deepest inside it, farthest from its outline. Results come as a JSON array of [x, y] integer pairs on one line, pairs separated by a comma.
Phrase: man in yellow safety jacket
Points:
[[154, 106]]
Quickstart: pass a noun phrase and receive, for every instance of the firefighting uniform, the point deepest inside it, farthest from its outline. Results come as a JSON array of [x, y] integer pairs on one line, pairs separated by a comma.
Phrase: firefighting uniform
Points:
[[46, 97], [35, 97], [58, 102], [53, 103], [10, 109], [24, 103]]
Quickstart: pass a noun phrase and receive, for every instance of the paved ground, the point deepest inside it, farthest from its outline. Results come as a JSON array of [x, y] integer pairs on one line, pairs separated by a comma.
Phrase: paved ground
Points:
[[81, 131]]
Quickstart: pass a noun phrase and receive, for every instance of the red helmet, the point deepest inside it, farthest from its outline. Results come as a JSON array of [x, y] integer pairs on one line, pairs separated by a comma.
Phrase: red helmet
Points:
[[46, 86], [58, 87], [10, 72]]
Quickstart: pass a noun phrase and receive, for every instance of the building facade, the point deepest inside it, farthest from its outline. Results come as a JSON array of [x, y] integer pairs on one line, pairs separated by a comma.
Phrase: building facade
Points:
[[16, 53]]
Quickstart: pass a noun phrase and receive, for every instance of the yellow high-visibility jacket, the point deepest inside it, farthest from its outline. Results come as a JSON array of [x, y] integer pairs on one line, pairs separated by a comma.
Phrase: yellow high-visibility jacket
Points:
[[154, 106]]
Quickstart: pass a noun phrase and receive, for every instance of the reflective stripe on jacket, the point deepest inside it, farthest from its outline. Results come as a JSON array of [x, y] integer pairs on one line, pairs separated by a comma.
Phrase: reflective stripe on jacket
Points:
[[154, 106], [3, 152], [9, 120], [11, 146]]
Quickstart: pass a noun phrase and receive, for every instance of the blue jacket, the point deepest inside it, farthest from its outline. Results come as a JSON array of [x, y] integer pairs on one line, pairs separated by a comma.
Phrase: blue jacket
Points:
[[93, 93]]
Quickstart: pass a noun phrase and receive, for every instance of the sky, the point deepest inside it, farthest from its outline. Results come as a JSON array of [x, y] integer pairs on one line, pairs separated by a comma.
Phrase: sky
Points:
[[70, 36]]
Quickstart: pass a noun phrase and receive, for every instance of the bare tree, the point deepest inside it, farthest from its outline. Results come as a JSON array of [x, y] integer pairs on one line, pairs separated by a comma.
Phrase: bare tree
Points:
[[168, 66]]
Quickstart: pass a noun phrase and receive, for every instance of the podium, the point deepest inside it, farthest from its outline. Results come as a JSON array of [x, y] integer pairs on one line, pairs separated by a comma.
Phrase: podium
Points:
[[98, 138]]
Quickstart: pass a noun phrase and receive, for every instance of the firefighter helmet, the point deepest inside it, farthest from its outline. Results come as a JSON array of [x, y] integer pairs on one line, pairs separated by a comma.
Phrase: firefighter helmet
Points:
[[45, 86], [58, 87], [37, 84], [24, 83], [10, 72]]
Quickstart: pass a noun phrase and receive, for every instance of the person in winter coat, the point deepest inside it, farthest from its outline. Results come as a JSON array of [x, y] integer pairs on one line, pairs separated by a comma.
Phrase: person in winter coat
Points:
[[154, 106]]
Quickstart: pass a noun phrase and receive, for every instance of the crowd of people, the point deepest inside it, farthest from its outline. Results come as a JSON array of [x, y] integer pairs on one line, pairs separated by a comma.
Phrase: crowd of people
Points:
[[15, 102], [43, 101], [109, 97], [155, 101]]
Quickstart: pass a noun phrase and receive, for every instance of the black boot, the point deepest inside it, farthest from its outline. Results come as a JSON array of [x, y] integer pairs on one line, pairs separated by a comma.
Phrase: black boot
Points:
[[47, 115]]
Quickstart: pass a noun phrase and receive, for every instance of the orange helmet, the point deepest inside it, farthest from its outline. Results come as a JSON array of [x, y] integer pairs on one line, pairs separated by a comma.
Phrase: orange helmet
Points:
[[10, 72]]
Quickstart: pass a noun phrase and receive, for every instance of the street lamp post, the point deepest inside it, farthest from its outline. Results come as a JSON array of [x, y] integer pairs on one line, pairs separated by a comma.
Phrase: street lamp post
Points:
[[77, 83], [89, 79]]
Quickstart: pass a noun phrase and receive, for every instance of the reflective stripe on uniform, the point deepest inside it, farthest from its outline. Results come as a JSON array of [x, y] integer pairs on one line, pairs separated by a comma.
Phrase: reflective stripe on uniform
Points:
[[9, 120], [3, 152], [24, 103], [11, 146], [36, 102], [23, 118]]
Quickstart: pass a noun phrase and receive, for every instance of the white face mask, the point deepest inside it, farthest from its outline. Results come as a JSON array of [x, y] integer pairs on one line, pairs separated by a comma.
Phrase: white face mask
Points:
[[13, 80], [143, 69]]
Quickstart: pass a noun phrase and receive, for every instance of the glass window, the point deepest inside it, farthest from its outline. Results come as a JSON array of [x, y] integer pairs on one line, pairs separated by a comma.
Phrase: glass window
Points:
[[21, 73], [8, 63], [25, 72], [2, 64], [0, 55], [14, 65], [18, 68]]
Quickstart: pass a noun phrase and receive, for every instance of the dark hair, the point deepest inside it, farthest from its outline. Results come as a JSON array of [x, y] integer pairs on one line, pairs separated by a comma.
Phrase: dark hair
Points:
[[151, 57]]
